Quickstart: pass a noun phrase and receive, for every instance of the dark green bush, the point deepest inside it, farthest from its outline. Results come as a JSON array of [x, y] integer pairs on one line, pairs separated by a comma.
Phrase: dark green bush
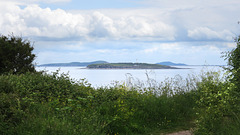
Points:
[[20, 94], [16, 55]]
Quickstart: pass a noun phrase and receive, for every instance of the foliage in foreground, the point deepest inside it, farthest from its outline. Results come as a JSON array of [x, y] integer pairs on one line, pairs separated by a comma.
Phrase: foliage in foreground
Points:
[[16, 55], [219, 104], [37, 103], [216, 107], [54, 104]]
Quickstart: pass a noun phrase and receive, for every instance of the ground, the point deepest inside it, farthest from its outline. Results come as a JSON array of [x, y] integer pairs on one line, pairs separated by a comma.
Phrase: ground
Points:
[[187, 132]]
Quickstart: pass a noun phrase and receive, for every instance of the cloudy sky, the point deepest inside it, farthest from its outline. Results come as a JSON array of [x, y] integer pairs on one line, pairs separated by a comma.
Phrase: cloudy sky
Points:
[[182, 31]]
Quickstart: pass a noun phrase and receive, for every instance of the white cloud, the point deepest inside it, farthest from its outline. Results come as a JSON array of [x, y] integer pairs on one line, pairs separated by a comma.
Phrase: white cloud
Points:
[[203, 33], [104, 51], [130, 27], [43, 22], [163, 47], [189, 3], [35, 21], [170, 21], [101, 25], [141, 27], [231, 45], [176, 23]]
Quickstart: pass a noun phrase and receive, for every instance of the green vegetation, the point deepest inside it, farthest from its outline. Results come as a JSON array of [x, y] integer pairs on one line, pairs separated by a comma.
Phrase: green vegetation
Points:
[[72, 64], [218, 106], [36, 103], [16, 55], [128, 66]]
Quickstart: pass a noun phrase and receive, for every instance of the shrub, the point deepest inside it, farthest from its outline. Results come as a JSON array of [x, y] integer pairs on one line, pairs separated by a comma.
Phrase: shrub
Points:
[[16, 55], [233, 58], [48, 103], [215, 107]]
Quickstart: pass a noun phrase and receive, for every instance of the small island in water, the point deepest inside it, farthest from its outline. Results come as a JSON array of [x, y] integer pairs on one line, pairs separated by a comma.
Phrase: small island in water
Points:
[[126, 65], [129, 66]]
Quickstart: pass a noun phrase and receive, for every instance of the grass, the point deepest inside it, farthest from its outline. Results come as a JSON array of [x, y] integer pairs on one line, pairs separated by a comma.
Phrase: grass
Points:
[[38, 103]]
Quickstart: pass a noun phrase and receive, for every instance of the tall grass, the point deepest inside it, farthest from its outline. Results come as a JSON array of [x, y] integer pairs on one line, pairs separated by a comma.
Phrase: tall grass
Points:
[[55, 104]]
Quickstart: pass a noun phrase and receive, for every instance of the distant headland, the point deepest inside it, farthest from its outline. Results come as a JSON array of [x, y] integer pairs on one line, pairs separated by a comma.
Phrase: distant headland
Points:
[[106, 65], [128, 66], [169, 63], [72, 64]]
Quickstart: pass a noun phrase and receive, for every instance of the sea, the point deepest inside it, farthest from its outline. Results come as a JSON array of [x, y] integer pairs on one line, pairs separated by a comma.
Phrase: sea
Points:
[[107, 77]]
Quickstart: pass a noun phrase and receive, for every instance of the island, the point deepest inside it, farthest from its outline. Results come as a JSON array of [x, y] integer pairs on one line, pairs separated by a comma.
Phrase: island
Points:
[[169, 63], [101, 64], [72, 64], [129, 66]]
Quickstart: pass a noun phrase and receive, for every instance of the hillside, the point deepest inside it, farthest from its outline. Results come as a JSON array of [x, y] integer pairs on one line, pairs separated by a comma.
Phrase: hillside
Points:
[[72, 64], [168, 63], [115, 65], [128, 66]]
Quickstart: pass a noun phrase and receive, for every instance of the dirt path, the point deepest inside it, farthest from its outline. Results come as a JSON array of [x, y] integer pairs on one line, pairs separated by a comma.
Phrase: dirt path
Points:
[[187, 132]]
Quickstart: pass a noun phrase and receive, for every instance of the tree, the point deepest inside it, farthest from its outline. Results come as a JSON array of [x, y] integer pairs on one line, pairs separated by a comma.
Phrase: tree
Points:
[[16, 55], [218, 103], [233, 58]]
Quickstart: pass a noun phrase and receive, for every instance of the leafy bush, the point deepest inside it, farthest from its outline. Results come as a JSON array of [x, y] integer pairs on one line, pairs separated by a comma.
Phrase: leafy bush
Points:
[[22, 94], [37, 103], [16, 55], [129, 109], [233, 58], [233, 69], [219, 103], [215, 107]]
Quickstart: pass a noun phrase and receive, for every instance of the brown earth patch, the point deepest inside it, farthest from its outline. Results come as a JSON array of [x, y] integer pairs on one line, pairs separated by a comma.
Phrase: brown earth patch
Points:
[[187, 132]]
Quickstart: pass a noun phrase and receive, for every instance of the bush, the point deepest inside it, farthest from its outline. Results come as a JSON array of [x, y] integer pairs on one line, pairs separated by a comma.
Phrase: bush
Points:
[[216, 106], [233, 69], [16, 55], [35, 103], [233, 58]]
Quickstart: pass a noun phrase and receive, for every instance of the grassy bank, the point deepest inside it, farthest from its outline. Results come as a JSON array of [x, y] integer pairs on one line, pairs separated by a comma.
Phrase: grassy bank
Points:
[[38, 103]]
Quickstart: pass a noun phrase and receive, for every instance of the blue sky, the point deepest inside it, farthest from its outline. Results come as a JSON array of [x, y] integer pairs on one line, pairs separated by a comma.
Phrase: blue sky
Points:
[[186, 31], [93, 4]]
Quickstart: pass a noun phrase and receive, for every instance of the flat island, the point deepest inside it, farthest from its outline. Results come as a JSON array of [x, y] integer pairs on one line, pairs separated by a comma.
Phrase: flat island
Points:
[[129, 66]]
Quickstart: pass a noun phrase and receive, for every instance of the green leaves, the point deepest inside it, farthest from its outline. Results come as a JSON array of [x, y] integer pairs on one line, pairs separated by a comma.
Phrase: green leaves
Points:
[[57, 101], [16, 55], [215, 106]]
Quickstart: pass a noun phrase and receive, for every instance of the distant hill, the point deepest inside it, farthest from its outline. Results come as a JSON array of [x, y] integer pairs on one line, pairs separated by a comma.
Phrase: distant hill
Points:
[[129, 66], [168, 63], [72, 64], [85, 64]]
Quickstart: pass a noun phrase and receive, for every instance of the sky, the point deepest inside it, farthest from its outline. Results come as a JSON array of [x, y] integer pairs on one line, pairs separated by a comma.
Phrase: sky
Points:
[[193, 32]]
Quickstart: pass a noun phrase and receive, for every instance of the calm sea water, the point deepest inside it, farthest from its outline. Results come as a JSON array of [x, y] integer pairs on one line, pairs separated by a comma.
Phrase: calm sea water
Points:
[[105, 77]]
